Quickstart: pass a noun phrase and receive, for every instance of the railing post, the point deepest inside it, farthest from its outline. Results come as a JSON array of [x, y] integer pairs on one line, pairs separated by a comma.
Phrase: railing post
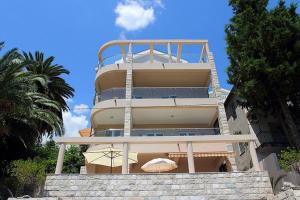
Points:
[[125, 158], [60, 159], [254, 156], [123, 53], [151, 52], [179, 49], [190, 156], [169, 52]]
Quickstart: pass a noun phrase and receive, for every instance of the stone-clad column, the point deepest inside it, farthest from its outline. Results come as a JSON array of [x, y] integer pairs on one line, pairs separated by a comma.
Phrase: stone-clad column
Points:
[[224, 128], [128, 95], [223, 123], [128, 116]]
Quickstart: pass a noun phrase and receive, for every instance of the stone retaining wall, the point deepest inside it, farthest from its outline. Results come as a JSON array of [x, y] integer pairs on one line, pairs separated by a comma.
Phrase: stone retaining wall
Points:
[[289, 194], [236, 185]]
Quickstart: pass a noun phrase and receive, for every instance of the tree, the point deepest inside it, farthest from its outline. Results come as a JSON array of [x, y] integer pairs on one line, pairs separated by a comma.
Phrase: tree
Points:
[[56, 88], [20, 102], [263, 47], [32, 99]]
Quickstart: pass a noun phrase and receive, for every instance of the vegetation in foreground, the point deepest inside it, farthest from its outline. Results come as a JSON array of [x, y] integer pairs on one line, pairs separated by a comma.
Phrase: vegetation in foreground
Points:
[[33, 97]]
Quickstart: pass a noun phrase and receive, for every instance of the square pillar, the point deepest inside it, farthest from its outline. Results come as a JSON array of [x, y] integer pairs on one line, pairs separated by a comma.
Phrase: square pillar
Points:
[[190, 156], [125, 159], [60, 159], [254, 156]]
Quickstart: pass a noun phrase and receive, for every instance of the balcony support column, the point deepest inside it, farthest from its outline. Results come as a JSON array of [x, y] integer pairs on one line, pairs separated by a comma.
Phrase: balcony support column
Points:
[[60, 159], [190, 156], [128, 95], [254, 156], [125, 159]]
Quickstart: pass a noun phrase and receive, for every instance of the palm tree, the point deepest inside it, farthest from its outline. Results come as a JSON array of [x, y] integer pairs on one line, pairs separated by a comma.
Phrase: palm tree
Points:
[[20, 102], [56, 89]]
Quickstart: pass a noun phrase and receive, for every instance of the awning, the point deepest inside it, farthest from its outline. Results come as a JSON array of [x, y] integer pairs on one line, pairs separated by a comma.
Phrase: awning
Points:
[[201, 154]]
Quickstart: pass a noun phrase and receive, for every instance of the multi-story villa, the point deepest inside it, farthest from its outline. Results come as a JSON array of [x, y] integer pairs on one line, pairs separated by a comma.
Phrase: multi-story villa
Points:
[[158, 100], [153, 100]]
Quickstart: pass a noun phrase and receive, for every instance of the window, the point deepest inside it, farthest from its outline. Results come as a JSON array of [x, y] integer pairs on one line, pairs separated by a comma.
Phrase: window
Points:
[[186, 134], [154, 134]]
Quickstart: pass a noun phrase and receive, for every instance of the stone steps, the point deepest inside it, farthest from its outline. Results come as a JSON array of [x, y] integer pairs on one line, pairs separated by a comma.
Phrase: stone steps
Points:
[[237, 185]]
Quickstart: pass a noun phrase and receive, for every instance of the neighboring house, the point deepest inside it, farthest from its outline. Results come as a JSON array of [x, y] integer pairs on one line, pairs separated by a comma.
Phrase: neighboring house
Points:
[[155, 95], [271, 138]]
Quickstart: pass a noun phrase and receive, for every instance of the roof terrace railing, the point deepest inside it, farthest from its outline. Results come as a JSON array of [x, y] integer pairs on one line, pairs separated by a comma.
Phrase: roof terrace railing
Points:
[[127, 54]]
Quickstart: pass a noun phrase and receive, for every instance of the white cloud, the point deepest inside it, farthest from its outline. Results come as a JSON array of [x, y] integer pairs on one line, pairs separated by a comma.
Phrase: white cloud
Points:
[[81, 109], [74, 123], [134, 15]]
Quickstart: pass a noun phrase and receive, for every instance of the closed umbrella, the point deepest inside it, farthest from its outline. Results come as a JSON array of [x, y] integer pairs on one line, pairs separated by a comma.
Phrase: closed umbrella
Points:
[[110, 157], [159, 165]]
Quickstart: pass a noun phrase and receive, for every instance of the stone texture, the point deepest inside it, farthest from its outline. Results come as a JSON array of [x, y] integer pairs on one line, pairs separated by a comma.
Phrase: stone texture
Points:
[[236, 185], [42, 198], [290, 194], [224, 128], [128, 95]]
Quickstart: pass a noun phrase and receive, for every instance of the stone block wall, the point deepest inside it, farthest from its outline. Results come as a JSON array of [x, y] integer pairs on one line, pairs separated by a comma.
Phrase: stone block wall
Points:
[[289, 194], [236, 185]]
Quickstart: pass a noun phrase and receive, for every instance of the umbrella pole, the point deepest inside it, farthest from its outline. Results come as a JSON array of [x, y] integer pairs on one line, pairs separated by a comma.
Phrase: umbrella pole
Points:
[[111, 158]]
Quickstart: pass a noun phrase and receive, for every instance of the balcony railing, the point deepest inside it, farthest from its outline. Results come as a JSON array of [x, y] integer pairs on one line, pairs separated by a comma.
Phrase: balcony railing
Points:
[[169, 92], [159, 132], [154, 92], [109, 133], [152, 58], [113, 93]]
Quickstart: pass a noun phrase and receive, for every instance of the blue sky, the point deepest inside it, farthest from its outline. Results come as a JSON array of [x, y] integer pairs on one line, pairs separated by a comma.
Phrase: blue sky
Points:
[[73, 31]]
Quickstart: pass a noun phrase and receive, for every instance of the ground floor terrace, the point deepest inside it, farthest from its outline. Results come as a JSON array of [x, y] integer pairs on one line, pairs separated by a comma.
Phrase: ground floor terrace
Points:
[[202, 163], [191, 153]]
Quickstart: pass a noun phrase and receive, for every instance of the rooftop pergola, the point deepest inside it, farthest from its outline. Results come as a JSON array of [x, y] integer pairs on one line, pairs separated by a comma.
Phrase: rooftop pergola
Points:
[[150, 44]]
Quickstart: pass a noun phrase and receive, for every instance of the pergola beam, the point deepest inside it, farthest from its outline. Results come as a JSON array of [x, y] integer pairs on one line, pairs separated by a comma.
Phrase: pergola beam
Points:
[[157, 140]]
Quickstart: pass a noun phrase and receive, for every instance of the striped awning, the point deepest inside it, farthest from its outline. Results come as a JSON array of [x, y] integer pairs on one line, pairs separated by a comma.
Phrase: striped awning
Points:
[[201, 154]]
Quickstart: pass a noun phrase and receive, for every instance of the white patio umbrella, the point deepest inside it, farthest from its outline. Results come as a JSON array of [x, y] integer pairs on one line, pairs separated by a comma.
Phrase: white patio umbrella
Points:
[[109, 156], [159, 165]]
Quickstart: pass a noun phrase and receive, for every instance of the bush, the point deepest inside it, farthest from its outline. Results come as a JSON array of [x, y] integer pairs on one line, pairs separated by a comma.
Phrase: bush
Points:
[[29, 174], [288, 158]]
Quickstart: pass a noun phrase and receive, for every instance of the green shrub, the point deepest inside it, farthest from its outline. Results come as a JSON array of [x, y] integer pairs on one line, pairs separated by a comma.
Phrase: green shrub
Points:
[[29, 174], [288, 158]]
